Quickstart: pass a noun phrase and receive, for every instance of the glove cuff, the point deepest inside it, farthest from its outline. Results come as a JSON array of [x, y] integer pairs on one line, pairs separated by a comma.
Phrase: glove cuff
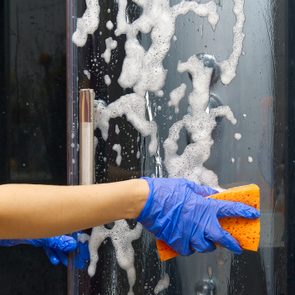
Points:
[[146, 209]]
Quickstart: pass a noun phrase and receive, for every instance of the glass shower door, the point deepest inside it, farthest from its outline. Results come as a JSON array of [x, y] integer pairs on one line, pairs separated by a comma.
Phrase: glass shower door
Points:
[[183, 89]]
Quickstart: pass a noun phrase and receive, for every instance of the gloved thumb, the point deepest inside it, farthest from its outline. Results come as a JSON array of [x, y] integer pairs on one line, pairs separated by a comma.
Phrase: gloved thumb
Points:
[[52, 256]]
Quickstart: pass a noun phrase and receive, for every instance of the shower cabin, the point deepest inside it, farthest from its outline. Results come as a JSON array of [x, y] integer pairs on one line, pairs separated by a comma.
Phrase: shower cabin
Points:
[[256, 149]]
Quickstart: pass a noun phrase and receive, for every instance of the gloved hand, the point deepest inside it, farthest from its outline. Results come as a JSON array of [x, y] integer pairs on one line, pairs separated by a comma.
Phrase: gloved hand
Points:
[[178, 213], [57, 248]]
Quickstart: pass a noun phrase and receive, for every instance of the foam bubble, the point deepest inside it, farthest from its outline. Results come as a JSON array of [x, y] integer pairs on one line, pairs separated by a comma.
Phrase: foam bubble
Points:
[[162, 284], [117, 130], [122, 237], [109, 25], [87, 74], [176, 95], [238, 136], [107, 80], [117, 148], [110, 45]]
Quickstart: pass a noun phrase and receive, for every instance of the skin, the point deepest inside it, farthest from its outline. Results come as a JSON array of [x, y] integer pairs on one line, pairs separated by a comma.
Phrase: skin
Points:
[[39, 211]]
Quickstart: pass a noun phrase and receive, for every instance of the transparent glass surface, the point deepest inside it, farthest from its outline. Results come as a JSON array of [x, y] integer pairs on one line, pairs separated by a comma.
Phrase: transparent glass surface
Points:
[[252, 151]]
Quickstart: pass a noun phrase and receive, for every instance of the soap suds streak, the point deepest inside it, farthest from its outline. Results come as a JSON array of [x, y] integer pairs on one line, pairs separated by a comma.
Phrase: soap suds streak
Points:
[[229, 66], [117, 148], [133, 107], [87, 24], [110, 45], [87, 74], [122, 237], [107, 80], [163, 284], [109, 25], [176, 95]]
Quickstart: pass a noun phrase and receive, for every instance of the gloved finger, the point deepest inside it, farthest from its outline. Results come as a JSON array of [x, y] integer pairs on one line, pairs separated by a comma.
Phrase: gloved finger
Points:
[[82, 257], [63, 257], [201, 244], [52, 256], [220, 236], [203, 190], [236, 209], [63, 243]]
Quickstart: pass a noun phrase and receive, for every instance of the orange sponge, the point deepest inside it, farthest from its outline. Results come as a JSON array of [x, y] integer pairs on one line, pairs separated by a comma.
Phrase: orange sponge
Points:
[[245, 231]]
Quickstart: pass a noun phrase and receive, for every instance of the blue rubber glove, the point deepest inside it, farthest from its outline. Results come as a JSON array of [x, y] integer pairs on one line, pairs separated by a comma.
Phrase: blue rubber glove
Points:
[[178, 213], [56, 248]]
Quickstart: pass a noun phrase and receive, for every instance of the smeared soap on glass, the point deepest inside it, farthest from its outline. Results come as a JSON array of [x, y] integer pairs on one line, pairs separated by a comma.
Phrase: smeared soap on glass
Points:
[[107, 80], [110, 45], [87, 74], [176, 95], [163, 284], [122, 237], [109, 25], [117, 148], [88, 23], [238, 136], [143, 71]]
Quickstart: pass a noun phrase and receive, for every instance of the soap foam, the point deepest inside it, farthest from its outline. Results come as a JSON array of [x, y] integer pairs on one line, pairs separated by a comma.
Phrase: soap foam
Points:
[[87, 74], [163, 284], [122, 237], [118, 148], [229, 66], [238, 136], [143, 71], [109, 25], [88, 23], [110, 45], [176, 95], [107, 80]]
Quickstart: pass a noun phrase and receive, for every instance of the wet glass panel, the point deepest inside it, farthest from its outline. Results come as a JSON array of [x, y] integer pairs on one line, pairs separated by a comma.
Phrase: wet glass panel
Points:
[[244, 115]]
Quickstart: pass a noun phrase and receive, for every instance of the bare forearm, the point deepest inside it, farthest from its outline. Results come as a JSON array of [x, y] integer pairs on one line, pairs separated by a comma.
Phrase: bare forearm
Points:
[[35, 211]]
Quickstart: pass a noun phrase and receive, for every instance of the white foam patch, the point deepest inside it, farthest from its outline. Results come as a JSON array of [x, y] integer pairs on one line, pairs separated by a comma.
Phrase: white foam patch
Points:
[[109, 25], [87, 24], [87, 74], [163, 284], [107, 80], [176, 95], [118, 148], [110, 45], [199, 124], [117, 130], [229, 66], [133, 107], [122, 237], [238, 136], [143, 70]]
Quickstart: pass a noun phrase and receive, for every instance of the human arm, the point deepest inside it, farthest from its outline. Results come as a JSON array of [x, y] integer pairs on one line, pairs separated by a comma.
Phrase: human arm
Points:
[[39, 211], [175, 210]]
